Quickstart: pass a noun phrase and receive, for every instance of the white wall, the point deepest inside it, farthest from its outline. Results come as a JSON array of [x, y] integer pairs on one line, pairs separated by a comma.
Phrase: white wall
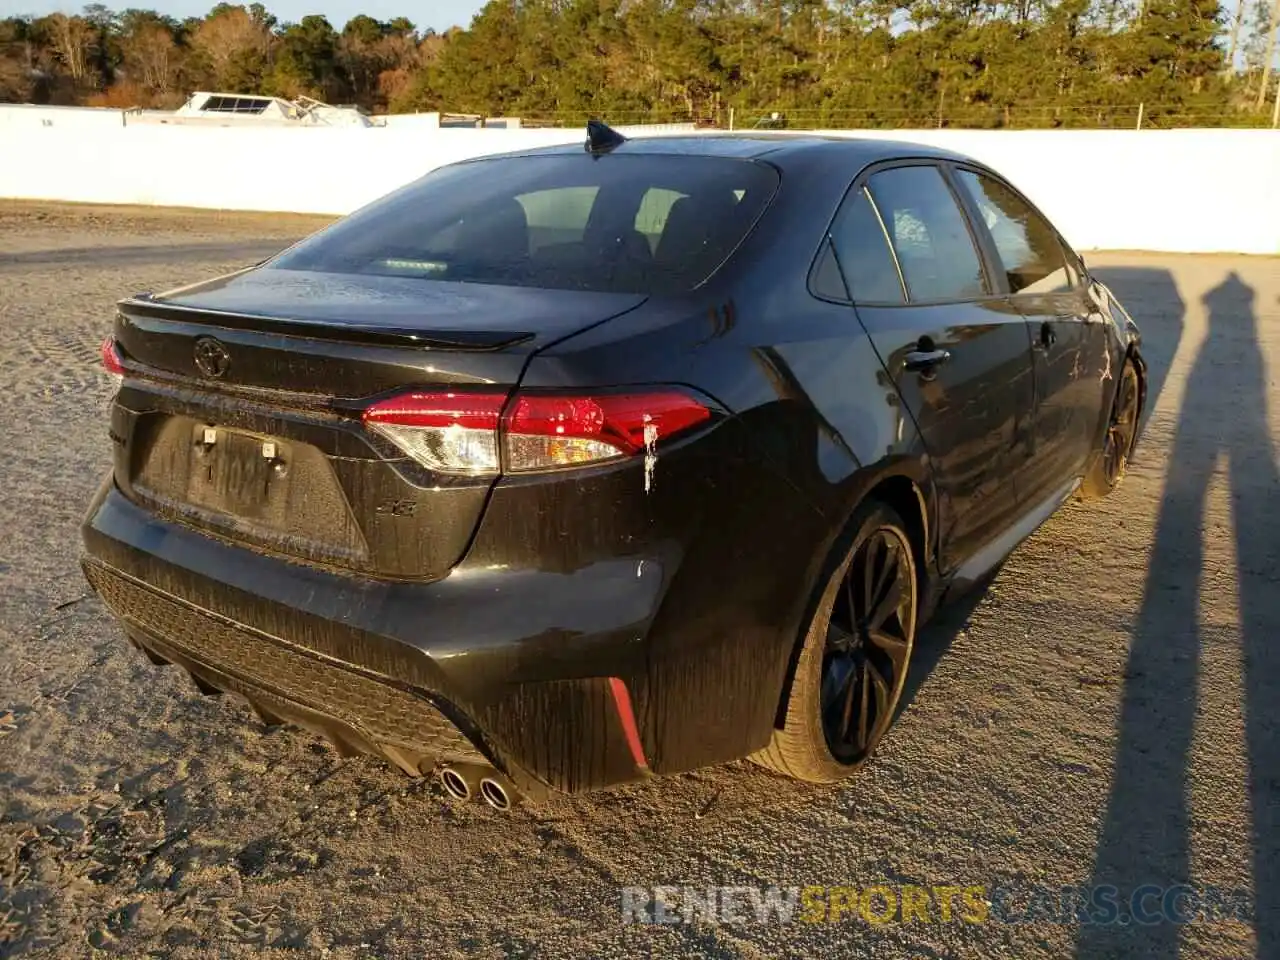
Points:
[[29, 115], [1178, 190], [1191, 191]]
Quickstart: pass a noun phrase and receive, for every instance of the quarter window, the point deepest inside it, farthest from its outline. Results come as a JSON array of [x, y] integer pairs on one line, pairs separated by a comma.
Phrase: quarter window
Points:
[[1029, 251], [826, 280], [863, 252], [929, 234]]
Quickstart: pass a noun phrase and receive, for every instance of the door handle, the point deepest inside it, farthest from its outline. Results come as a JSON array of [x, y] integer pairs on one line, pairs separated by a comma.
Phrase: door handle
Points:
[[1047, 337], [918, 360]]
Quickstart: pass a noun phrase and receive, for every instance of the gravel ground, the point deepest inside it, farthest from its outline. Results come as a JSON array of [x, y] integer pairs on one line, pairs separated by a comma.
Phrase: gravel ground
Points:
[[1105, 713]]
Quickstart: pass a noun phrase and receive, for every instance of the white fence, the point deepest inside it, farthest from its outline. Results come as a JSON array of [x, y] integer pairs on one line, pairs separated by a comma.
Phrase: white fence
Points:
[[1195, 191]]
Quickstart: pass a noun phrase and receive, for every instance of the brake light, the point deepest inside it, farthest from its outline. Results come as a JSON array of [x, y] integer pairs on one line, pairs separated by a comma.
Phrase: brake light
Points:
[[460, 432], [448, 432], [547, 432], [112, 362]]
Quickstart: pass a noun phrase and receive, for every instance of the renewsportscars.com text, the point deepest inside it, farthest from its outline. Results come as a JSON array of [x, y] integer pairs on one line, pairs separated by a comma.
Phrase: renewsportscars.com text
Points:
[[879, 904]]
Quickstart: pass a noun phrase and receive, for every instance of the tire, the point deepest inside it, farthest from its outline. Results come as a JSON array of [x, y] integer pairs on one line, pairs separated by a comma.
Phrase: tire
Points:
[[840, 633], [1107, 467]]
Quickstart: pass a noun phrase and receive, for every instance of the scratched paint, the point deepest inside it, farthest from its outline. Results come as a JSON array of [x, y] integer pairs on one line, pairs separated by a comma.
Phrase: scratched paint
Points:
[[650, 454]]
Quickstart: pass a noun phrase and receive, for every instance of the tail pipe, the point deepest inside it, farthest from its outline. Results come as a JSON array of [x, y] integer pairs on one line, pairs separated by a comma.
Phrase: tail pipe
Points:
[[464, 781], [498, 792], [459, 783]]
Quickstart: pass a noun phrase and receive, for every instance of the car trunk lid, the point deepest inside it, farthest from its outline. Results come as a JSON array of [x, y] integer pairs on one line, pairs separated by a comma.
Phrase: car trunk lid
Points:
[[241, 408]]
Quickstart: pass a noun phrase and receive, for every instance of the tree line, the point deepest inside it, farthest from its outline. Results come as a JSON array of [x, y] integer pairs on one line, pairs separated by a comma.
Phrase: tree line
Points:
[[800, 63]]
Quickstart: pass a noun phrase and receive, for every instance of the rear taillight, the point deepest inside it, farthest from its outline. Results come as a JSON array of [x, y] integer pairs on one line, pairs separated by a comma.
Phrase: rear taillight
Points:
[[448, 432], [462, 432], [111, 359], [543, 432]]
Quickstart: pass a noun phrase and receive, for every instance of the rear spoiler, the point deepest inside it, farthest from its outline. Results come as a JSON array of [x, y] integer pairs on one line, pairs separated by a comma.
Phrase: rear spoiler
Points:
[[138, 309]]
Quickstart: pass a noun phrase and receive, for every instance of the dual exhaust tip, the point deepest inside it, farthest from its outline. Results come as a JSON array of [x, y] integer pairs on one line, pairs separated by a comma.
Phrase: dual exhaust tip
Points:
[[466, 783]]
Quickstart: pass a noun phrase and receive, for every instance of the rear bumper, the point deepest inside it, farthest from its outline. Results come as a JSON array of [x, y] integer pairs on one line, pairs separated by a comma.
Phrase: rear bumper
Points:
[[509, 666]]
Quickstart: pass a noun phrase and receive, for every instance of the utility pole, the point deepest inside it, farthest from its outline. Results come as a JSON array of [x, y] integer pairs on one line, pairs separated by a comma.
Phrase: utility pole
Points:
[[1141, 108], [1271, 55], [1275, 110]]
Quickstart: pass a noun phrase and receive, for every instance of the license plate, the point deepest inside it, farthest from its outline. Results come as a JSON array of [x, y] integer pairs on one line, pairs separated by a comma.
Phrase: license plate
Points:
[[235, 473]]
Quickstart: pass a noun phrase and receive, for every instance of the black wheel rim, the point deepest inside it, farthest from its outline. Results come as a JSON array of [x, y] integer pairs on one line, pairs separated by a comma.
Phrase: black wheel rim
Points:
[[1123, 427], [869, 639]]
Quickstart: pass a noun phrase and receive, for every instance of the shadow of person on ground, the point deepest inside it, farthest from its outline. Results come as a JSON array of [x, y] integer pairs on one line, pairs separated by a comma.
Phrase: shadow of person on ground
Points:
[[1147, 831]]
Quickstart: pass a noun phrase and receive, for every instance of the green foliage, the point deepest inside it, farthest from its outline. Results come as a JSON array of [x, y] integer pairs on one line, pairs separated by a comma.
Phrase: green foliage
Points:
[[306, 62], [815, 63]]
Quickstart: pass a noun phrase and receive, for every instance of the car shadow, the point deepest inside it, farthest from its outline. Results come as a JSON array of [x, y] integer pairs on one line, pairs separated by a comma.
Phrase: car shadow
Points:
[[1151, 296], [1148, 824], [934, 638]]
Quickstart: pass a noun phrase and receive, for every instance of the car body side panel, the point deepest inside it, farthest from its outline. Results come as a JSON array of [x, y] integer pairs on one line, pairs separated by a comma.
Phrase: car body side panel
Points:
[[1118, 337], [723, 544], [822, 424], [1070, 353], [759, 535], [972, 411]]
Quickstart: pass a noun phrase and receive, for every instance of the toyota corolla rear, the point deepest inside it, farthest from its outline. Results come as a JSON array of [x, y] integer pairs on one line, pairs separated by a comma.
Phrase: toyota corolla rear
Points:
[[331, 495]]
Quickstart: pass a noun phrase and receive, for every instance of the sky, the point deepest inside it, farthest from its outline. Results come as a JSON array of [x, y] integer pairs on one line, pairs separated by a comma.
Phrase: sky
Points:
[[440, 14]]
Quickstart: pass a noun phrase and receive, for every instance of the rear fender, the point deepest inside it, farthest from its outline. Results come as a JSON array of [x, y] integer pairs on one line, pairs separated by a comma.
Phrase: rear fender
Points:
[[897, 481]]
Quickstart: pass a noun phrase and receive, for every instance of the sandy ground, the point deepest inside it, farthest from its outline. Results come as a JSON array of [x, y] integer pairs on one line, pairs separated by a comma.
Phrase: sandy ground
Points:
[[1105, 713]]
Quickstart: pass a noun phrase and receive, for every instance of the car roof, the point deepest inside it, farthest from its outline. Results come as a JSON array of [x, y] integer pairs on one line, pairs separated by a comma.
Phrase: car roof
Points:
[[777, 146]]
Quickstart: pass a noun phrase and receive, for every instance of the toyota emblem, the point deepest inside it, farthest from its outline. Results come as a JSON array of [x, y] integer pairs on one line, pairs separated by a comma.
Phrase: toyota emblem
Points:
[[211, 357]]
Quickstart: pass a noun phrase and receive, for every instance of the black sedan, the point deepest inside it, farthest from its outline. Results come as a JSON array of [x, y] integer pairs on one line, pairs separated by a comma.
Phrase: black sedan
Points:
[[560, 470]]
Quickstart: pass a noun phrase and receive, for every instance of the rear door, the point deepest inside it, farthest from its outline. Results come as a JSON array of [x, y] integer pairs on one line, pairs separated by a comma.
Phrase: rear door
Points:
[[957, 351], [1068, 337]]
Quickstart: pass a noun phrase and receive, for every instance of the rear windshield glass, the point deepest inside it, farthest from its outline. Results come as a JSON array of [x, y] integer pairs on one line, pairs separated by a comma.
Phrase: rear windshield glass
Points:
[[627, 224]]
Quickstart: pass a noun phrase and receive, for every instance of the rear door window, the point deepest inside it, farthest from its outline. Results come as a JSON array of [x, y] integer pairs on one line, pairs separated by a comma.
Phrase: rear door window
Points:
[[1030, 253], [929, 233], [862, 250], [629, 224]]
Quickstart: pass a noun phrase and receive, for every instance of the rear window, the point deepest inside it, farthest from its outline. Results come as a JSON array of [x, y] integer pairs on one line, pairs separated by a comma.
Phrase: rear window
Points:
[[626, 224]]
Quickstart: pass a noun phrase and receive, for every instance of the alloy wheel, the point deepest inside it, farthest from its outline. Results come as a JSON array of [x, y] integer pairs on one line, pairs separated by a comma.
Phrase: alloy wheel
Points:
[[1123, 427], [868, 647]]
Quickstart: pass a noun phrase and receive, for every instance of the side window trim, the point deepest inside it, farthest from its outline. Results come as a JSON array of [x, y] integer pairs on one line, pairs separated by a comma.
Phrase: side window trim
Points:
[[852, 297], [888, 241], [1075, 262], [992, 265], [827, 246]]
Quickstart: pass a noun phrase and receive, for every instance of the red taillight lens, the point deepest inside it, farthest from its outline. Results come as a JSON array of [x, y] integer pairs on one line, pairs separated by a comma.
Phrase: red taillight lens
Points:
[[111, 359], [546, 432], [460, 432]]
